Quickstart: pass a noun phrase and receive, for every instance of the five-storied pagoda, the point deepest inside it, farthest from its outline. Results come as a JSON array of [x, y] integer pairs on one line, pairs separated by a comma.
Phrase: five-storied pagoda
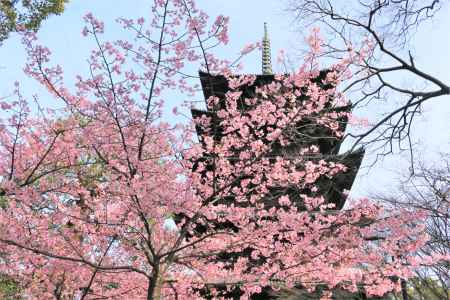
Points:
[[332, 189]]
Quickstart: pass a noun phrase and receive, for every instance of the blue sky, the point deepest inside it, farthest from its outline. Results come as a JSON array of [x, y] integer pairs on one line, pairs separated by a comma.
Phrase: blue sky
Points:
[[62, 35]]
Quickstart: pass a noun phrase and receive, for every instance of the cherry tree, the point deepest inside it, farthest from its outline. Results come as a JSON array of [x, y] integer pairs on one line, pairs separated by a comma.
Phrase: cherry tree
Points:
[[87, 191], [428, 190], [390, 26]]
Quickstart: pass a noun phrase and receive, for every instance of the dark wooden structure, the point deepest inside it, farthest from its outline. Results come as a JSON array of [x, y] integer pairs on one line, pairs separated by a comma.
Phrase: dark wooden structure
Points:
[[329, 146], [331, 189]]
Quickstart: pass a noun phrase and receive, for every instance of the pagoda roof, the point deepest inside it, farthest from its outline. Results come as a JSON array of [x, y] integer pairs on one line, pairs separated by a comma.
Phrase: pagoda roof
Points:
[[217, 85], [332, 189]]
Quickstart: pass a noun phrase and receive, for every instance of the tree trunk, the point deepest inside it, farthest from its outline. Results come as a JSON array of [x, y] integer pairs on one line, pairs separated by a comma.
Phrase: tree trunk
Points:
[[404, 290], [152, 283], [155, 284]]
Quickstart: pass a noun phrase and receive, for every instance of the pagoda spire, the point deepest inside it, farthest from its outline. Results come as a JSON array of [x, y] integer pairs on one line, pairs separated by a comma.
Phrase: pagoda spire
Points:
[[266, 56]]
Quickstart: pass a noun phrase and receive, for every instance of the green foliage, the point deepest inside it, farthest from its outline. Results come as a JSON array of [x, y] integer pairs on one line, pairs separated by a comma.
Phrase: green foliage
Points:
[[9, 289], [427, 288], [3, 202], [112, 285], [26, 13]]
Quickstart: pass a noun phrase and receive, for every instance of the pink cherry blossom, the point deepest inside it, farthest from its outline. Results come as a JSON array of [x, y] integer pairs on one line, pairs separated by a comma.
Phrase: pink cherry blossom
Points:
[[104, 198]]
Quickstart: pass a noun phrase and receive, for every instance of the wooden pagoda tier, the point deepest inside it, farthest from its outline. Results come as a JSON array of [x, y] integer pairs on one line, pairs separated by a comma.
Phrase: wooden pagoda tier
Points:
[[333, 190]]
